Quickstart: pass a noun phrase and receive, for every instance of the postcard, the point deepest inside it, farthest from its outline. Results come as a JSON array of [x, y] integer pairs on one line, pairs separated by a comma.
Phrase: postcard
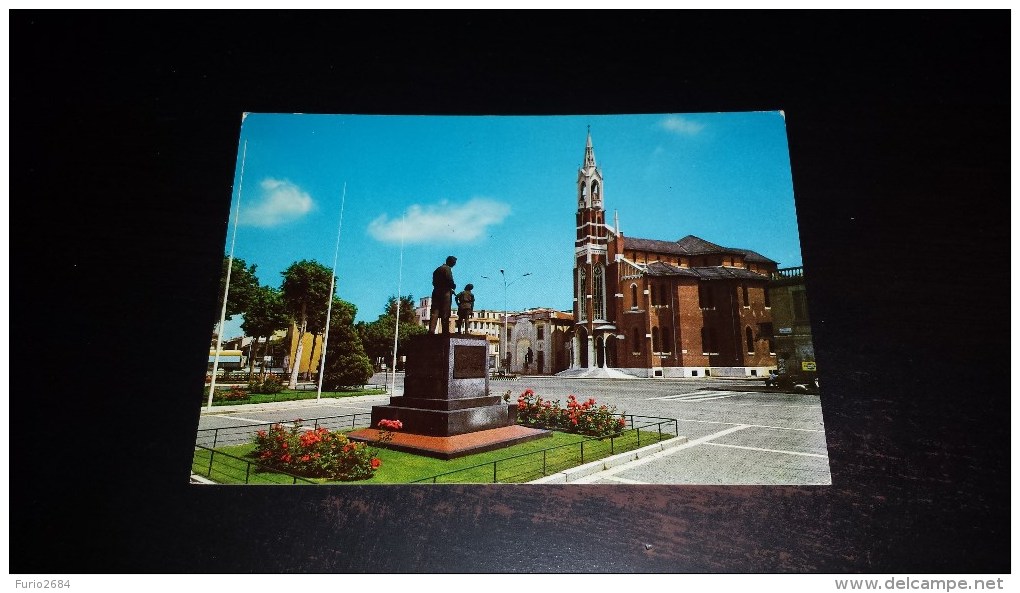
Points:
[[605, 299]]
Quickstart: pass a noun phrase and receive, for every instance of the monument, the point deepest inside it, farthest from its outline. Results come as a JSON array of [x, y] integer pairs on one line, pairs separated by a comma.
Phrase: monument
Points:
[[446, 409]]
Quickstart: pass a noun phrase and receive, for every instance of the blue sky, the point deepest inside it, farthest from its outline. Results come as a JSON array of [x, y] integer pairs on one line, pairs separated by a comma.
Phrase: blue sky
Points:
[[498, 192]]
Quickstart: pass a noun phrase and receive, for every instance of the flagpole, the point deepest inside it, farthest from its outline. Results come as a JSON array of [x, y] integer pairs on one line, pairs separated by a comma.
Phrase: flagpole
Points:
[[226, 287], [396, 329], [332, 282]]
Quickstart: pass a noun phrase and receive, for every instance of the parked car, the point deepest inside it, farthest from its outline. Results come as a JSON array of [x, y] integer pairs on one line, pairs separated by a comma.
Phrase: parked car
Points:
[[794, 382]]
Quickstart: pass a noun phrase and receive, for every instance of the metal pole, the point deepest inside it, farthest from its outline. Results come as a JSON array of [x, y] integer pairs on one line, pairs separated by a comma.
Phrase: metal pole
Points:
[[506, 327], [226, 287], [332, 282], [396, 329]]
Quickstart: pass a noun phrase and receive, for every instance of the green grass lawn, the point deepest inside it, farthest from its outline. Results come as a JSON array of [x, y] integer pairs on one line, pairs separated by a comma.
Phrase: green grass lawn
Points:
[[519, 463], [294, 394]]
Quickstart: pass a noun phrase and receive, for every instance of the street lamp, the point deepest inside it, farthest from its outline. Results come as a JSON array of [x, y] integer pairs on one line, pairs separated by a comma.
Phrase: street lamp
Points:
[[506, 334]]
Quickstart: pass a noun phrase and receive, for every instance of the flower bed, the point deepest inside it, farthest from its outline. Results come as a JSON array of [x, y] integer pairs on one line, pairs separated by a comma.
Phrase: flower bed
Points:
[[318, 453], [587, 417], [234, 394]]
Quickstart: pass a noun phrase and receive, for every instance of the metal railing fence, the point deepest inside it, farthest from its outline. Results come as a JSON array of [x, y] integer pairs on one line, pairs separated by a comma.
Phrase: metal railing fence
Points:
[[529, 466], [514, 469], [227, 436], [226, 468]]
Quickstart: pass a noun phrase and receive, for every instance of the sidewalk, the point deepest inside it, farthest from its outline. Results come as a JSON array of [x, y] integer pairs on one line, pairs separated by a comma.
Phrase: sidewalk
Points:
[[297, 403], [598, 471]]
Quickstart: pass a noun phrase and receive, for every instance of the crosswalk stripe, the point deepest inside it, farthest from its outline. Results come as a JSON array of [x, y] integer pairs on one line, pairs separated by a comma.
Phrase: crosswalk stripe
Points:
[[698, 396], [623, 480]]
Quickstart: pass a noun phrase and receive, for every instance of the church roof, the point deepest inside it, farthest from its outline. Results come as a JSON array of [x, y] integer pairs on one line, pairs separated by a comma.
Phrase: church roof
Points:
[[691, 245], [724, 272], [706, 273], [659, 268], [653, 245]]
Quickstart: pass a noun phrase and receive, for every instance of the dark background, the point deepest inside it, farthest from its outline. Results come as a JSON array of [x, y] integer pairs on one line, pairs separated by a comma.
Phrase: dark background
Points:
[[124, 135]]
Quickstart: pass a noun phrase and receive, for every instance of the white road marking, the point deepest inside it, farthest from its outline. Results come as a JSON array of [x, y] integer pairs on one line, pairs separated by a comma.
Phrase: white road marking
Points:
[[699, 396], [777, 405], [754, 425], [654, 456], [231, 417], [768, 450], [623, 480]]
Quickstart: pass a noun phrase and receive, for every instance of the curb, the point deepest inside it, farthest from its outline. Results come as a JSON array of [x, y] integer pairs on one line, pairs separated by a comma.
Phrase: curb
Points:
[[270, 406], [582, 471]]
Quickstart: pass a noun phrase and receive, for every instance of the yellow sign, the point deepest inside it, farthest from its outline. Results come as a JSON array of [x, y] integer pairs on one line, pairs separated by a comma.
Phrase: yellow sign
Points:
[[807, 366]]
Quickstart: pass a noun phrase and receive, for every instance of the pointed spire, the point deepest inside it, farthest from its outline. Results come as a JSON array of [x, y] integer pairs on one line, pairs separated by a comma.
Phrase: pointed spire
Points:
[[589, 152], [616, 221]]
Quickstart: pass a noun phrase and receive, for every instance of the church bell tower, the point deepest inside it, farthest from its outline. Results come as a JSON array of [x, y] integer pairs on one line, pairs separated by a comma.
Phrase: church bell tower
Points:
[[590, 260]]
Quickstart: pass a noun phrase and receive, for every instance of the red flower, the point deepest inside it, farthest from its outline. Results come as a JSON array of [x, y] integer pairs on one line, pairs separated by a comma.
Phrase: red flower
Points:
[[285, 458], [391, 424], [376, 463], [305, 458]]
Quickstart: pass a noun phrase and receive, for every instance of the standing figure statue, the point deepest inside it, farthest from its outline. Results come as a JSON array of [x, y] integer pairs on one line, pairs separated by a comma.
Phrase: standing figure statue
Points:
[[442, 295], [465, 307]]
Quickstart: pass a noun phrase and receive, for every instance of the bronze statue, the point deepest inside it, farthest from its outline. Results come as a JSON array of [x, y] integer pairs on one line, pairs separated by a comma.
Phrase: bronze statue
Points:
[[465, 307], [442, 295]]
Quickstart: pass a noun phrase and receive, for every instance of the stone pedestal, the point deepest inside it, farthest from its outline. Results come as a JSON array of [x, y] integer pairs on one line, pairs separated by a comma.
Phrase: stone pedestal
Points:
[[446, 409], [446, 388]]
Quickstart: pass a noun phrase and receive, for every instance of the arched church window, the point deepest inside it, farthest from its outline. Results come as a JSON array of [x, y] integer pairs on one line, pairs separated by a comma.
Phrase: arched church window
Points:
[[582, 292], [633, 296], [749, 336], [599, 293]]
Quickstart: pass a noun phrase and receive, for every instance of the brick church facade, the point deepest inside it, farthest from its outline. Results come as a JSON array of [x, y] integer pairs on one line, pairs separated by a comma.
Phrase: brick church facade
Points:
[[651, 308]]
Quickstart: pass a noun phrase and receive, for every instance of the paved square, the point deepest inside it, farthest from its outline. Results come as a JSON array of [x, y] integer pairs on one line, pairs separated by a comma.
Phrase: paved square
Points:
[[738, 433]]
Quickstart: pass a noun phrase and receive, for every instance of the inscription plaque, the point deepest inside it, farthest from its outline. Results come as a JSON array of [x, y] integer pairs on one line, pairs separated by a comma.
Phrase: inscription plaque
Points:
[[469, 362]]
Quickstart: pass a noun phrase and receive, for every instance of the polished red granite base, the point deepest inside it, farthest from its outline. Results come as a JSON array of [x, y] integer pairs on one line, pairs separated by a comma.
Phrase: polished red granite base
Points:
[[454, 446]]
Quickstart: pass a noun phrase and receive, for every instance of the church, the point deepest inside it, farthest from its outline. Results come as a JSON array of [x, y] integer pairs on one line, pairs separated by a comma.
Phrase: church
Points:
[[655, 308]]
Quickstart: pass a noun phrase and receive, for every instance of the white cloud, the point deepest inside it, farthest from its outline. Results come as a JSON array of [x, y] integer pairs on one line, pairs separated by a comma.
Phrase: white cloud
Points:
[[279, 202], [442, 222], [681, 125]]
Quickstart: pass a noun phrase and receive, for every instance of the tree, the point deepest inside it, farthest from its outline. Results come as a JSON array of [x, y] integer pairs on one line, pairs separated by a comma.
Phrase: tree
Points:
[[306, 294], [266, 314], [243, 285], [346, 362], [377, 336]]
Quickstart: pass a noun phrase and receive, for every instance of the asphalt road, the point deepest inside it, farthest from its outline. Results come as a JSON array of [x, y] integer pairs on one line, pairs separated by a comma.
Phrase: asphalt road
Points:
[[738, 432]]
